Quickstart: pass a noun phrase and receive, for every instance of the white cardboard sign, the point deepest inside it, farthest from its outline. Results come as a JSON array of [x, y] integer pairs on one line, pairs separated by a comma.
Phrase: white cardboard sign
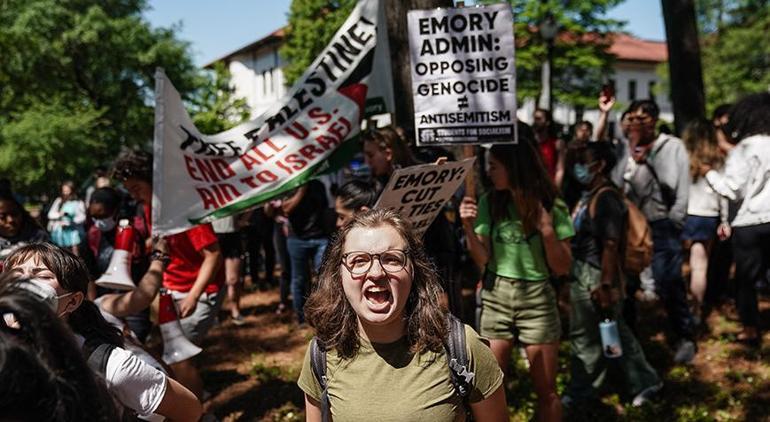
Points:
[[463, 75], [420, 192]]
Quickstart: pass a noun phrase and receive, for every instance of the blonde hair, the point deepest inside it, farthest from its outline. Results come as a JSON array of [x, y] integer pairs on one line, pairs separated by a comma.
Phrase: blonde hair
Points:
[[701, 142]]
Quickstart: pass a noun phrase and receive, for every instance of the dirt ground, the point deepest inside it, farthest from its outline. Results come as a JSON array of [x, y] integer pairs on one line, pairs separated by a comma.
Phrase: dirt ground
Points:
[[251, 371]]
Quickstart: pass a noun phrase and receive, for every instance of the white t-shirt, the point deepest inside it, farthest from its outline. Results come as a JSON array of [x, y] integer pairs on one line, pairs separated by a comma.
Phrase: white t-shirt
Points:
[[704, 201], [137, 385], [224, 225]]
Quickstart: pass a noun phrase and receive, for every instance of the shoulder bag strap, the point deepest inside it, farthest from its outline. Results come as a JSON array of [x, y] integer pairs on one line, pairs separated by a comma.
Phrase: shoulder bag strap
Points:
[[98, 359], [318, 363], [457, 356]]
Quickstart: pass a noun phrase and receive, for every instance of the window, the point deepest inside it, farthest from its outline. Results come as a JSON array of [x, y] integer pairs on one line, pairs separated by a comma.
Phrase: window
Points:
[[631, 90], [264, 83], [651, 90]]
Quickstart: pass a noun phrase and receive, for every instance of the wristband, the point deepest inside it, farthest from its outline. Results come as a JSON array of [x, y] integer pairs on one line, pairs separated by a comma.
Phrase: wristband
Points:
[[157, 255]]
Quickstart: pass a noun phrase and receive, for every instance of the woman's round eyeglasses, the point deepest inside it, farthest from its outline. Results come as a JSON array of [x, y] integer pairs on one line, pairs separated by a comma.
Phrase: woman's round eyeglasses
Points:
[[360, 262]]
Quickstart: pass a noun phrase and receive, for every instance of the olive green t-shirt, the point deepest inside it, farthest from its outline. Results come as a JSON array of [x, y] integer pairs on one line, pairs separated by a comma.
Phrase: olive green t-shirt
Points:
[[514, 255], [386, 382]]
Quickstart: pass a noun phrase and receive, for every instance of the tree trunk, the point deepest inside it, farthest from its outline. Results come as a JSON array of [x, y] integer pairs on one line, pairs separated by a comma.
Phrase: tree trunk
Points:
[[395, 14], [684, 61]]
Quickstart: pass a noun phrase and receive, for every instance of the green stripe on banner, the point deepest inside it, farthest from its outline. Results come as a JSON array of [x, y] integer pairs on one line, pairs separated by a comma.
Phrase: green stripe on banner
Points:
[[338, 159]]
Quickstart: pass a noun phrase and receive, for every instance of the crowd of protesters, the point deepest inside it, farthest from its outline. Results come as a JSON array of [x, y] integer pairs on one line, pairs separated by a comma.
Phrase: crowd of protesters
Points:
[[552, 228]]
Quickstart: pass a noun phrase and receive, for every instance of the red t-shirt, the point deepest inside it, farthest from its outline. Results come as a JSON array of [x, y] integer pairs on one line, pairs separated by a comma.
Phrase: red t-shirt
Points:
[[550, 155], [184, 250]]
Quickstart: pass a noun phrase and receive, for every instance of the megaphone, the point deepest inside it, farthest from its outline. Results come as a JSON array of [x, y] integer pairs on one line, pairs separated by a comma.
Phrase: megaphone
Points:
[[176, 347], [118, 274]]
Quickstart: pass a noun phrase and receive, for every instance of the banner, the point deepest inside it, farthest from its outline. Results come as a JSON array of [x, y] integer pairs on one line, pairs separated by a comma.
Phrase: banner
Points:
[[463, 75], [199, 178], [420, 192]]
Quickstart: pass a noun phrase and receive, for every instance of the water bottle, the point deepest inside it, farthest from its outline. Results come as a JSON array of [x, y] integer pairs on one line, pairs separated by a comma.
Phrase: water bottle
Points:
[[608, 329]]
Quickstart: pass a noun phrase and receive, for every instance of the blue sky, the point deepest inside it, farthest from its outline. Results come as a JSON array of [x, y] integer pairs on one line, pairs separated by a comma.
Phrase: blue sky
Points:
[[215, 28]]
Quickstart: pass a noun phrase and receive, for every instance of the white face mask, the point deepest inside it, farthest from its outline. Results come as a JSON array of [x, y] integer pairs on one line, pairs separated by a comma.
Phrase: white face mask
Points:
[[44, 292], [105, 224]]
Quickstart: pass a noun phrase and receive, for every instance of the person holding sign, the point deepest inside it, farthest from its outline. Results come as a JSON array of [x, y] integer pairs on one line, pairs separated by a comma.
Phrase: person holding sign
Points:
[[385, 338], [385, 150], [520, 233], [353, 197]]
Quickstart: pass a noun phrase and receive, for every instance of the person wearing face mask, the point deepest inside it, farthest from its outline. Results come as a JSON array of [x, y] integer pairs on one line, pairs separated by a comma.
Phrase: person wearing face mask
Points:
[[45, 376], [658, 182], [60, 279], [104, 210], [597, 285]]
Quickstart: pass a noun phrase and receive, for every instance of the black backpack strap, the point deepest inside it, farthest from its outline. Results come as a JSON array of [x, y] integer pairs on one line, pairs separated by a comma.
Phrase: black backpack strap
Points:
[[318, 363], [457, 357], [98, 358]]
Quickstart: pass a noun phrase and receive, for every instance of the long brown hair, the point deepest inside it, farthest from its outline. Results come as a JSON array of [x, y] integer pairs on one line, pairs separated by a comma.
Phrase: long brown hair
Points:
[[336, 323], [530, 185], [700, 139], [42, 365]]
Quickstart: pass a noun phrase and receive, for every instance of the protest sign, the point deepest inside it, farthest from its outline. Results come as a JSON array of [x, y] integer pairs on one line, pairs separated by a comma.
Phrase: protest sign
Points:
[[463, 75], [198, 178], [420, 192]]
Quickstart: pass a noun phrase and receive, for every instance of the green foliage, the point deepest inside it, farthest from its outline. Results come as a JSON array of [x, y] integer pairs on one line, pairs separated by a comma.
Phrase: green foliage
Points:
[[312, 23], [264, 372], [49, 139], [736, 59], [716, 15], [581, 58], [214, 106], [287, 413], [77, 84]]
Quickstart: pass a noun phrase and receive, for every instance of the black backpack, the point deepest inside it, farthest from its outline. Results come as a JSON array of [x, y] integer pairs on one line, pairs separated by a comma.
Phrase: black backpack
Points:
[[97, 355], [457, 357]]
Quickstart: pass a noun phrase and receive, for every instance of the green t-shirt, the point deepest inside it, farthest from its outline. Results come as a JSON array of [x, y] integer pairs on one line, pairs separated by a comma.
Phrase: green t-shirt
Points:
[[513, 254], [386, 382]]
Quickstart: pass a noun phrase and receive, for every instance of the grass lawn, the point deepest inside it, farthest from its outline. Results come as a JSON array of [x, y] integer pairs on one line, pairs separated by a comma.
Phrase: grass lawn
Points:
[[251, 370]]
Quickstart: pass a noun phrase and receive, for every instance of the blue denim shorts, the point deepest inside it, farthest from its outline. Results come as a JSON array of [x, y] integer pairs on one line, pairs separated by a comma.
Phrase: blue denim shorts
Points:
[[700, 229]]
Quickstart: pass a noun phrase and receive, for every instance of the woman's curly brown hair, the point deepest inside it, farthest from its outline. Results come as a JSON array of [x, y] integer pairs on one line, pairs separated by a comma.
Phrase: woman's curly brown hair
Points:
[[336, 323]]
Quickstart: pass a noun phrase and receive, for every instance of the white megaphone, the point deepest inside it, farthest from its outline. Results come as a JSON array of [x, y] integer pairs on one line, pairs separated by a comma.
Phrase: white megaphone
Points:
[[118, 274], [176, 347]]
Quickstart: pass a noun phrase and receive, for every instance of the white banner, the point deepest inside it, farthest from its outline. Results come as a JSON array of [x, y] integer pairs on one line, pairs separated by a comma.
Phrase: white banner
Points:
[[199, 178], [463, 75], [420, 192]]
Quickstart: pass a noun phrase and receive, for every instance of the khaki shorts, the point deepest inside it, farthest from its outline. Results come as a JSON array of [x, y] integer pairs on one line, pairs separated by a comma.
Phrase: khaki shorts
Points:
[[203, 317], [521, 309]]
